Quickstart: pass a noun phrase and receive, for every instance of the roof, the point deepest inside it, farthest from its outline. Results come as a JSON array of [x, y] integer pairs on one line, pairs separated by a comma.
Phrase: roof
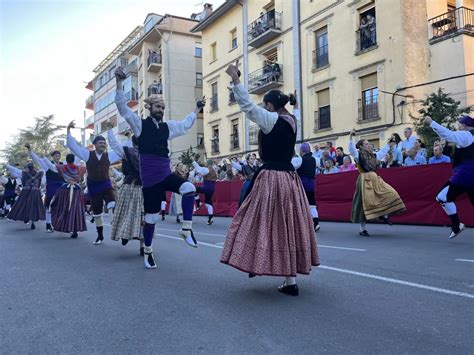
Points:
[[226, 6]]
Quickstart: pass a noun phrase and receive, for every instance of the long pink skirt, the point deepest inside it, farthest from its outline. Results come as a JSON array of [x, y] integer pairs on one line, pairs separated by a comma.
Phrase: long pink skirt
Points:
[[272, 232], [65, 219], [28, 207]]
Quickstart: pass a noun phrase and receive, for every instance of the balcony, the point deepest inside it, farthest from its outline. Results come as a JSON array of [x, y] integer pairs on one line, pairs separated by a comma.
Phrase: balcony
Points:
[[264, 29], [231, 98], [89, 122], [154, 62], [234, 141], [322, 119], [215, 146], [366, 40], [214, 103], [90, 102], [131, 68], [267, 78], [451, 24], [368, 111], [320, 57], [132, 97], [155, 89]]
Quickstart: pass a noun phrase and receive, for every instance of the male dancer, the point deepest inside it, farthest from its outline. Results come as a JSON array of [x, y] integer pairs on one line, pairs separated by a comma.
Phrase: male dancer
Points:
[[100, 189], [462, 180], [53, 180], [9, 195], [210, 176], [153, 135], [306, 169]]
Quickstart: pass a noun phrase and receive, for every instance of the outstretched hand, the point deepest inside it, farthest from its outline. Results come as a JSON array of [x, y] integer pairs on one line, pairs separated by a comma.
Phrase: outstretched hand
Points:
[[119, 74], [234, 72], [28, 146], [427, 121], [71, 125], [201, 103], [353, 132]]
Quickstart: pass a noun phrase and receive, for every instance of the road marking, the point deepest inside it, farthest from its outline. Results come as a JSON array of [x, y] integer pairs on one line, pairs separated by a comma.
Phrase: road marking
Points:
[[222, 235], [466, 260], [369, 276]]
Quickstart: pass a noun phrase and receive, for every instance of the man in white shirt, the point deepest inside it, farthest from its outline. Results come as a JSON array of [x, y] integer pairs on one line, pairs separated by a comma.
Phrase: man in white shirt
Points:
[[409, 141]]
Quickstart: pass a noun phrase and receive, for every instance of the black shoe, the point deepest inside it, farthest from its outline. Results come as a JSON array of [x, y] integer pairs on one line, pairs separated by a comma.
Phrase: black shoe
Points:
[[210, 221], [124, 241], [291, 290], [26, 222], [178, 220], [364, 233], [142, 251], [33, 226], [49, 229], [386, 220], [74, 235], [92, 220], [162, 216], [99, 240], [251, 275]]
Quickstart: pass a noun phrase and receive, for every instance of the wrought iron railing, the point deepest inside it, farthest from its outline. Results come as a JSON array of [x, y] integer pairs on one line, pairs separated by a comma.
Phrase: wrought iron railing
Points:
[[234, 141], [266, 22], [320, 57], [154, 58], [270, 73], [366, 38], [155, 89], [368, 111], [322, 118], [215, 145], [253, 134], [460, 20]]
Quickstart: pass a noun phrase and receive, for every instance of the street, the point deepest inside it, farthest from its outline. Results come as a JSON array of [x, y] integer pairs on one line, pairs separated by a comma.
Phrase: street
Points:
[[405, 289]]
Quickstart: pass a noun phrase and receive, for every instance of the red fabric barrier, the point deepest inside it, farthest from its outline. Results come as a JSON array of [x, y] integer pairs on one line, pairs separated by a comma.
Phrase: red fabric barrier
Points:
[[417, 186]]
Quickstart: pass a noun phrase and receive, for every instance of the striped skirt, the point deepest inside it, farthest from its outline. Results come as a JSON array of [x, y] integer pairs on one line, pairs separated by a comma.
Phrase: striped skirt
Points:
[[129, 212], [67, 210], [28, 207]]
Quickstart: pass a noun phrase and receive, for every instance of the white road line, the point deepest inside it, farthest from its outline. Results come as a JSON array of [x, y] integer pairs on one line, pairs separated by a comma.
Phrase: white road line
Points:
[[466, 260], [369, 276], [222, 235]]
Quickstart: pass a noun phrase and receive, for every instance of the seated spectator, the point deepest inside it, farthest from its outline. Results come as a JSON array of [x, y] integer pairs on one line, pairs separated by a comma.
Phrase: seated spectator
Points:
[[339, 156], [413, 158], [389, 161], [317, 153], [329, 167], [447, 148], [331, 149], [420, 148], [438, 156], [347, 165]]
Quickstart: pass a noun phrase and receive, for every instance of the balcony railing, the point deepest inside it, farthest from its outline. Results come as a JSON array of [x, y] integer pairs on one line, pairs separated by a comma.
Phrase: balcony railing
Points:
[[234, 141], [322, 119], [90, 102], [156, 88], [253, 134], [320, 57], [214, 103], [368, 111], [366, 39], [267, 78], [215, 145], [264, 29], [154, 62], [131, 68], [452, 23], [231, 97]]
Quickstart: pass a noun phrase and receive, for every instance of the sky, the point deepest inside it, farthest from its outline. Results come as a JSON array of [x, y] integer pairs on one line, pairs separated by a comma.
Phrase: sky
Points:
[[49, 48]]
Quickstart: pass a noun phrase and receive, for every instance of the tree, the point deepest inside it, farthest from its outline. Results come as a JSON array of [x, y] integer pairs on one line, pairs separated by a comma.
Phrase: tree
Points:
[[187, 157], [43, 137], [443, 109]]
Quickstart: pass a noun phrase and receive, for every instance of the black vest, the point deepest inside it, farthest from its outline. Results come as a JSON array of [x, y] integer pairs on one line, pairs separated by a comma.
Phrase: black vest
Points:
[[463, 155], [279, 144], [153, 140], [52, 176], [10, 185], [248, 171], [130, 167], [308, 166]]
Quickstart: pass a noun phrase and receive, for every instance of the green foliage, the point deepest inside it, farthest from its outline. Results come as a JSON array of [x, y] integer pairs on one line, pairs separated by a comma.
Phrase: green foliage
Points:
[[187, 157], [43, 137], [443, 109]]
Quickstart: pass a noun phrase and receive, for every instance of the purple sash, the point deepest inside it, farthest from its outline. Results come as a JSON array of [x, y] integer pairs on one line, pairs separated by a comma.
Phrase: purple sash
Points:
[[463, 175], [153, 169], [9, 193], [52, 187], [97, 187], [308, 183]]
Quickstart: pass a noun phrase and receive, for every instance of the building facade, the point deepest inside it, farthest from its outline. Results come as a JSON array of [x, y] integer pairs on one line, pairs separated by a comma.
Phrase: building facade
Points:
[[363, 64]]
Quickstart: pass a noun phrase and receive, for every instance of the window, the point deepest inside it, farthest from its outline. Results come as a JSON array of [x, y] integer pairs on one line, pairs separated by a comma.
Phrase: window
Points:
[[213, 51], [234, 137], [367, 32], [322, 117], [214, 101], [321, 53], [233, 38], [368, 104], [215, 139], [198, 52], [199, 79], [200, 140]]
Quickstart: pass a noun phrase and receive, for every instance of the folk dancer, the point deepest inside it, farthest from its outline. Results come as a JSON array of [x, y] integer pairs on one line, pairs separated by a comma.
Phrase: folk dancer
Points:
[[209, 186], [462, 179], [155, 171], [272, 232]]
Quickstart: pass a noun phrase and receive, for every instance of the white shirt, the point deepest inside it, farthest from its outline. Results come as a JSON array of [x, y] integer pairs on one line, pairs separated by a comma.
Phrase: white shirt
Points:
[[355, 152], [408, 143], [84, 153], [176, 128], [462, 139], [200, 169]]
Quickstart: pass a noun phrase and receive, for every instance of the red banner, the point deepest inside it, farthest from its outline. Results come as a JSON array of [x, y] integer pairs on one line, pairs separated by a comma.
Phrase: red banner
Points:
[[417, 186]]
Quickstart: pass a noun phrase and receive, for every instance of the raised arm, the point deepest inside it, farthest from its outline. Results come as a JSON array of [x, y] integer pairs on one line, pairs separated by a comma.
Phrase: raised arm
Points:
[[37, 159], [237, 166], [15, 172], [115, 145], [49, 165], [462, 139], [133, 120], [74, 145], [200, 169], [180, 128], [352, 148], [383, 152]]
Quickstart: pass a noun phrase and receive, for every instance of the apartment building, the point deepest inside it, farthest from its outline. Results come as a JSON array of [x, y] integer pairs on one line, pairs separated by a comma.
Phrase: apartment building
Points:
[[363, 64]]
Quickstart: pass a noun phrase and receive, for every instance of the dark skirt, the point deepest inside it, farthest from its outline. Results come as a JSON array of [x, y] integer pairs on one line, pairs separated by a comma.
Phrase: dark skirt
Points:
[[68, 215], [28, 207]]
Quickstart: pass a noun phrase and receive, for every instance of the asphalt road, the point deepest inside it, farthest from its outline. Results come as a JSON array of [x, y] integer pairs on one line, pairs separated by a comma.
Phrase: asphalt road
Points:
[[406, 289]]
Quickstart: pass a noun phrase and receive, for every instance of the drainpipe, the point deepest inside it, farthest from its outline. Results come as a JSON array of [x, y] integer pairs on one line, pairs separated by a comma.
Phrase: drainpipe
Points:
[[297, 74], [245, 54]]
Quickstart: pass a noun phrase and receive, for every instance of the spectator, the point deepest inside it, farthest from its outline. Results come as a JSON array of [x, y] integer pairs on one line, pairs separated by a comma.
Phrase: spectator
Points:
[[372, 30], [331, 149], [438, 156], [420, 148], [398, 141], [390, 161], [364, 33], [347, 164], [447, 148], [409, 141], [317, 153], [339, 156], [329, 167], [413, 158]]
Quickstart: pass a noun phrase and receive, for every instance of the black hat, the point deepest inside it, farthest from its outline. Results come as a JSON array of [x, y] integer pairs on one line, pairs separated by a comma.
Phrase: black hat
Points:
[[55, 152], [98, 138]]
